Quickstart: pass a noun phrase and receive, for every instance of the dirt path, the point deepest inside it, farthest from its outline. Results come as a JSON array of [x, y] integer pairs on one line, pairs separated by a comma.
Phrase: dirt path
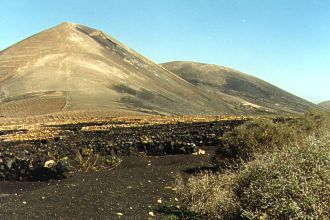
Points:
[[132, 189]]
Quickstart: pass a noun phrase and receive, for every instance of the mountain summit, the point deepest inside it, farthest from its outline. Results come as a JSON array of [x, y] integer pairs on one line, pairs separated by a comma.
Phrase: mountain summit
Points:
[[74, 67]]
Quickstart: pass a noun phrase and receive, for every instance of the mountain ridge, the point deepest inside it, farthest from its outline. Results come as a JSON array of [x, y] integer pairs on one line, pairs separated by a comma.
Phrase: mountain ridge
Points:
[[73, 67]]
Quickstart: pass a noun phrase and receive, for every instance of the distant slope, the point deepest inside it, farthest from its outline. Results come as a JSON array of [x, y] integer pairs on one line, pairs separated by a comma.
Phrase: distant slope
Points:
[[238, 89], [325, 105], [74, 67]]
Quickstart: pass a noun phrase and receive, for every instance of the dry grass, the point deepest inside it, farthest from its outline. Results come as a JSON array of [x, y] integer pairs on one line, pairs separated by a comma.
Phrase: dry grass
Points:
[[42, 127], [209, 194]]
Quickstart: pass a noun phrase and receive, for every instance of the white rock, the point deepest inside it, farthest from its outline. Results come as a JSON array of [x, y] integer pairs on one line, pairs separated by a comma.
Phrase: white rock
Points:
[[151, 214], [201, 152], [49, 163]]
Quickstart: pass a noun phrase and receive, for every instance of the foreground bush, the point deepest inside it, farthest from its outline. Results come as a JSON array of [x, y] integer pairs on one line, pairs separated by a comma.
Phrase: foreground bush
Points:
[[250, 139], [292, 184], [281, 171], [209, 194], [289, 184]]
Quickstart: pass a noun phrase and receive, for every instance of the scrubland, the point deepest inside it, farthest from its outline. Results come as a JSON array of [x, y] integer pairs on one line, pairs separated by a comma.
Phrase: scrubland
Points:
[[266, 169]]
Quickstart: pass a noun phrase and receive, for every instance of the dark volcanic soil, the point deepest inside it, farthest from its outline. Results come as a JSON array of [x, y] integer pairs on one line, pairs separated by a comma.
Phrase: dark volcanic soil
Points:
[[76, 148], [151, 157], [132, 189]]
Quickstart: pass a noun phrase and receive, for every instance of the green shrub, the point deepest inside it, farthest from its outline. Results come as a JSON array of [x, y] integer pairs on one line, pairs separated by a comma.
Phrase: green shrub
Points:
[[282, 171], [289, 184], [209, 194], [255, 137], [313, 123]]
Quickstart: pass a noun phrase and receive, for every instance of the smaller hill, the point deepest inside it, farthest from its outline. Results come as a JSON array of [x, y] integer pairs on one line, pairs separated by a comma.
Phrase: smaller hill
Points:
[[325, 104], [238, 89]]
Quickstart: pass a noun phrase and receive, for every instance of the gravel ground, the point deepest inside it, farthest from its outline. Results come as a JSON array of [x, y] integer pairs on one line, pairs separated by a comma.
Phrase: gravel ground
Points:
[[130, 191]]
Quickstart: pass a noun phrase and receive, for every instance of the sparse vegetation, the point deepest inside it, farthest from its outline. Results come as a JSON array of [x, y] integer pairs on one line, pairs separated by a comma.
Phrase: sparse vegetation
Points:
[[277, 170], [87, 160]]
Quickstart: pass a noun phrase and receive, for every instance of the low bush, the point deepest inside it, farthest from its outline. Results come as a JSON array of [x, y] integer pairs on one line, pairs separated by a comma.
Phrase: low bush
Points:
[[209, 194], [255, 137], [289, 184], [313, 123], [276, 171]]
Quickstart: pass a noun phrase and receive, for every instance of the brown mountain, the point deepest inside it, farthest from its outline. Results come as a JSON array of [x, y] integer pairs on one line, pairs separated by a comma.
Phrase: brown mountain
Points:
[[244, 92], [74, 67], [325, 105]]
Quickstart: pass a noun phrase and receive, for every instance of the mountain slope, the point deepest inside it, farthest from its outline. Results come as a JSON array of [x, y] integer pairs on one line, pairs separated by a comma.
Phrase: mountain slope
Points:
[[238, 89], [325, 105], [74, 67]]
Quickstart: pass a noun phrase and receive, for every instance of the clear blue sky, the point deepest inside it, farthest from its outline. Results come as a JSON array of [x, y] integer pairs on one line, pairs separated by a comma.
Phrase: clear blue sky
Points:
[[285, 42]]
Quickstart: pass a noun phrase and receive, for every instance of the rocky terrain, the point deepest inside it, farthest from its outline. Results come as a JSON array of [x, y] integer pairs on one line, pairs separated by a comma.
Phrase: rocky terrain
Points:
[[102, 167], [53, 149]]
